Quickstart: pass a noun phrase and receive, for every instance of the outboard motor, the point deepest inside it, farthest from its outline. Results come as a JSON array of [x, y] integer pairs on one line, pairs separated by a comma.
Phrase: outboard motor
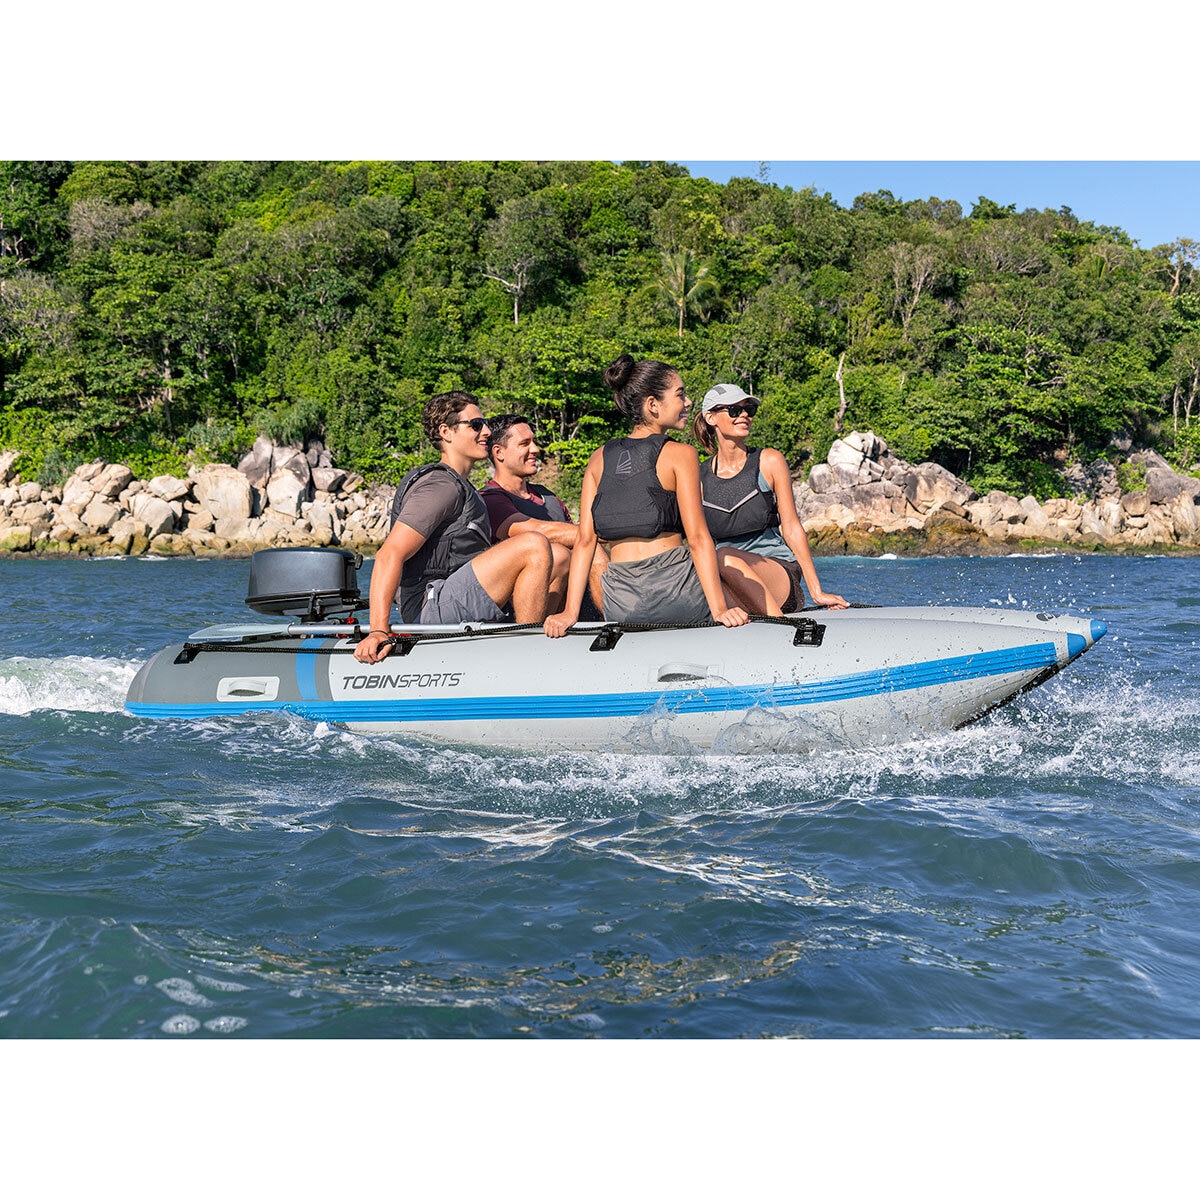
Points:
[[311, 583]]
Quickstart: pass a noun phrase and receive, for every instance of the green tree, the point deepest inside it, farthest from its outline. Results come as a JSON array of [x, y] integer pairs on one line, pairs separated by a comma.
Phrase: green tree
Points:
[[682, 282], [523, 245]]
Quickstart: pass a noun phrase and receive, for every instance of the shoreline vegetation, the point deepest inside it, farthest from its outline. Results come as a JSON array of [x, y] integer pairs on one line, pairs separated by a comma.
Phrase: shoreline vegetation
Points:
[[162, 323], [863, 500]]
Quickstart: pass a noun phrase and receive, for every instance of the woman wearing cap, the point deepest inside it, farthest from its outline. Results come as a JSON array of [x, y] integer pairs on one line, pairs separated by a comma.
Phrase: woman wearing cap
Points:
[[641, 494], [762, 548]]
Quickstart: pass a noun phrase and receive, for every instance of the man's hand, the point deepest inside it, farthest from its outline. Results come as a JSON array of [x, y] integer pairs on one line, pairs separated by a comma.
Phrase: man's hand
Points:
[[558, 624], [375, 647]]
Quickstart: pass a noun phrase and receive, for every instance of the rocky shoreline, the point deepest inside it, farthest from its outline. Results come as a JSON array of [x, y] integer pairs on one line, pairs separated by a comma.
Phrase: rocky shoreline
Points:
[[865, 500], [861, 500]]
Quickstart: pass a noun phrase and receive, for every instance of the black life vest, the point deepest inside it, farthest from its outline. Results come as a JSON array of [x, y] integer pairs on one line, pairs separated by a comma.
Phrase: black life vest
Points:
[[454, 542], [552, 510], [736, 507], [630, 501]]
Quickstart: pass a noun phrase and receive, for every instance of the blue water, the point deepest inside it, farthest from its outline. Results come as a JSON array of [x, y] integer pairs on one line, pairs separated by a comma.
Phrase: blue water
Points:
[[1036, 875]]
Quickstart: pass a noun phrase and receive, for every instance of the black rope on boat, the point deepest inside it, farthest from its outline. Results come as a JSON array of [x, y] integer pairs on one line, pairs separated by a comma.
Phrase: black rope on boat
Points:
[[807, 633]]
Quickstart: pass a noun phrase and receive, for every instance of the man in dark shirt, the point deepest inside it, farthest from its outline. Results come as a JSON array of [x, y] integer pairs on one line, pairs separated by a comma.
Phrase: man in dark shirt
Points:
[[516, 506], [440, 527]]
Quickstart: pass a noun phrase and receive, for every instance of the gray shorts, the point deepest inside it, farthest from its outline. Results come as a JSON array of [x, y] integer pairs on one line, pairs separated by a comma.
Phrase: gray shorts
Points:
[[664, 589], [459, 599]]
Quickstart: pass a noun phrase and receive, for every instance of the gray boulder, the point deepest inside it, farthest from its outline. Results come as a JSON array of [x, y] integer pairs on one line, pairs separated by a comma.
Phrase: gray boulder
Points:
[[1163, 485], [327, 479], [169, 487], [256, 464], [112, 480], [1148, 459], [929, 484], [224, 491], [1135, 504], [99, 515], [155, 512]]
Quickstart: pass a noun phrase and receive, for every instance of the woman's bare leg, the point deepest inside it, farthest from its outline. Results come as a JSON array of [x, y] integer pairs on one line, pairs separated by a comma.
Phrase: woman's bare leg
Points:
[[759, 584]]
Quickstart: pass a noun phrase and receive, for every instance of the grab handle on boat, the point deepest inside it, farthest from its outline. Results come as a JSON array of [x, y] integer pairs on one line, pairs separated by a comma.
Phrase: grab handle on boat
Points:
[[682, 672]]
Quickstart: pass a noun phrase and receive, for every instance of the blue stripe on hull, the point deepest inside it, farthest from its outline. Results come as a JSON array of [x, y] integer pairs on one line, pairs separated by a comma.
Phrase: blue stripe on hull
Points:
[[632, 704], [306, 676]]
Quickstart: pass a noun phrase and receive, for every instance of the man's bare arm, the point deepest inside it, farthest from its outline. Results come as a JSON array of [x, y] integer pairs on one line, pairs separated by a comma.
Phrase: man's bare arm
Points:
[[561, 532]]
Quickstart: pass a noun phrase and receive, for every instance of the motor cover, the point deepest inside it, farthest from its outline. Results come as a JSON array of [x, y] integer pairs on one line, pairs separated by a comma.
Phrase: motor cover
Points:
[[309, 582]]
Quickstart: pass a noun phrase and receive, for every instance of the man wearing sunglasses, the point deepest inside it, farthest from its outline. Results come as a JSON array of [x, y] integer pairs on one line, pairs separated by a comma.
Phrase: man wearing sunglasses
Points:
[[439, 551], [517, 505]]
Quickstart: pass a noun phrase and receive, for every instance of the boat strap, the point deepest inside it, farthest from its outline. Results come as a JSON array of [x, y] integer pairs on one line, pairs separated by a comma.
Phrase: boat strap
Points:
[[807, 633]]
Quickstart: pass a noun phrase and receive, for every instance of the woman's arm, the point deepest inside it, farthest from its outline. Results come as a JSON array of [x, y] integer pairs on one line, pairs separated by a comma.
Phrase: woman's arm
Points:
[[582, 553], [683, 473], [775, 471]]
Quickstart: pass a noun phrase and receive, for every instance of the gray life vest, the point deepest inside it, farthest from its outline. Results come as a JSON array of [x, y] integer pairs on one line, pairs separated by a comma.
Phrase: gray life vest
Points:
[[454, 542], [736, 507]]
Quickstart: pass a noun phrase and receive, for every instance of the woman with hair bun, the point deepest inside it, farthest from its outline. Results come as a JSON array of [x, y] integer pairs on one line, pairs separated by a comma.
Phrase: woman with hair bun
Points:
[[641, 495], [762, 548]]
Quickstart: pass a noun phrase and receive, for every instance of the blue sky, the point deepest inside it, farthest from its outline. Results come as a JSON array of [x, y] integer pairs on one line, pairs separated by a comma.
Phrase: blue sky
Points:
[[1154, 202]]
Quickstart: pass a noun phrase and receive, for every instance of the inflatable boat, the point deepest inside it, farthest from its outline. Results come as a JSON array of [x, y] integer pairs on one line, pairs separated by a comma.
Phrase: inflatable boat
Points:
[[854, 677]]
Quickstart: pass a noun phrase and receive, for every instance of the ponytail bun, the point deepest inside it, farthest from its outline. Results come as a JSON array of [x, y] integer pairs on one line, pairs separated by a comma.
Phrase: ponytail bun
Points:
[[633, 382], [617, 374]]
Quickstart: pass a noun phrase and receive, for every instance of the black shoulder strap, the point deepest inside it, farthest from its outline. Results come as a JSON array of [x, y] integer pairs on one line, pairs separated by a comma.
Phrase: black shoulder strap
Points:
[[419, 473], [549, 498]]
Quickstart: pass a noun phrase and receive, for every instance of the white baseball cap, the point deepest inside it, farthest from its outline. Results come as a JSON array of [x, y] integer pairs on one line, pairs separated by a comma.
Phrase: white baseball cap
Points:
[[723, 394]]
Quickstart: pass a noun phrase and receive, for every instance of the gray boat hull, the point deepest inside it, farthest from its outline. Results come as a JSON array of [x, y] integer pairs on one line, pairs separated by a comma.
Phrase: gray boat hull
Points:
[[872, 676]]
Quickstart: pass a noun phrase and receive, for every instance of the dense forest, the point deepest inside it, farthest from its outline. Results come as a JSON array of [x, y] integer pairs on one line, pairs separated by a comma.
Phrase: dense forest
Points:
[[161, 313]]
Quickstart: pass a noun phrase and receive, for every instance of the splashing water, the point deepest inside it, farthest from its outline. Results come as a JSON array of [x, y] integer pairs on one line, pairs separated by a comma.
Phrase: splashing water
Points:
[[72, 684]]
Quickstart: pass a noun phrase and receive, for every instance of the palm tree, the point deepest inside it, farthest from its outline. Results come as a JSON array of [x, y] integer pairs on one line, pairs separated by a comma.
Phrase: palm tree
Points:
[[682, 284]]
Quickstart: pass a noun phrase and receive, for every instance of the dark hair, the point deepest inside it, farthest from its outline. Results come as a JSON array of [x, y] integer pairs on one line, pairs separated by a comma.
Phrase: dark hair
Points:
[[633, 383], [702, 433], [501, 427], [441, 410]]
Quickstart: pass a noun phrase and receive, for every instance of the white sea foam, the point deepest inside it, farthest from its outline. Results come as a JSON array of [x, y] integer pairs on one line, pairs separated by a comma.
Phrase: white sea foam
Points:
[[226, 1024], [70, 684], [1103, 729], [183, 991], [1098, 729], [221, 985], [181, 1023]]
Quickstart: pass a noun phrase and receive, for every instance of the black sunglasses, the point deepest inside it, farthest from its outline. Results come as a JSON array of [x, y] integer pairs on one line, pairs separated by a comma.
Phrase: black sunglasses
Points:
[[478, 424], [735, 410]]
